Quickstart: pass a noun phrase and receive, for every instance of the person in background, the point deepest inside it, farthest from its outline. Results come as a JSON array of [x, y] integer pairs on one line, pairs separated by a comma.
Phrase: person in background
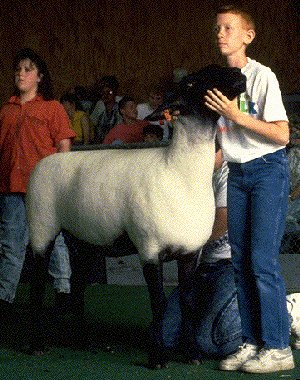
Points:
[[131, 129], [146, 111], [172, 87], [155, 99], [153, 133], [79, 119], [32, 126], [105, 114], [291, 237], [253, 133], [83, 95]]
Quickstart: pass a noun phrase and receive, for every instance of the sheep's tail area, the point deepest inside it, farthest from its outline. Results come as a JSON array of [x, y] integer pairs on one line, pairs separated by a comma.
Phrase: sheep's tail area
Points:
[[41, 210]]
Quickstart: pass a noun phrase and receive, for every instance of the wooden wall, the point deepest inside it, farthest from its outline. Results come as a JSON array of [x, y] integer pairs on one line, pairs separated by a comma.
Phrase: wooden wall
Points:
[[141, 42]]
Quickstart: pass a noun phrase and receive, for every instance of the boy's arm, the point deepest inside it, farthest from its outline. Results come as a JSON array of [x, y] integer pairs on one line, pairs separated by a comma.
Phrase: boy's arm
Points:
[[220, 224], [276, 131]]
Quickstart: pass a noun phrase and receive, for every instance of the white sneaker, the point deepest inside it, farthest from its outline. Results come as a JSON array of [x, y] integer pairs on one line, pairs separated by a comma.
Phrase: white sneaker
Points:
[[234, 361], [293, 305], [270, 360]]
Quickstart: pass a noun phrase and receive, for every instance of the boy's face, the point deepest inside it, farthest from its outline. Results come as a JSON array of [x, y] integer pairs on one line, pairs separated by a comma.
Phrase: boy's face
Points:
[[107, 95], [27, 76], [232, 34], [129, 111], [155, 99]]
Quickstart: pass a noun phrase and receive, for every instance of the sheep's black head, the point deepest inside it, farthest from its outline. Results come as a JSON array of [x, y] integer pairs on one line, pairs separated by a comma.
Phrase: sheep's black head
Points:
[[190, 96]]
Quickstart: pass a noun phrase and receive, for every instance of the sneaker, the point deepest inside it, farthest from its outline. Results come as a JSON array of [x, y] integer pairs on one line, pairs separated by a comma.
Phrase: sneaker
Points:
[[234, 361], [293, 305], [270, 360]]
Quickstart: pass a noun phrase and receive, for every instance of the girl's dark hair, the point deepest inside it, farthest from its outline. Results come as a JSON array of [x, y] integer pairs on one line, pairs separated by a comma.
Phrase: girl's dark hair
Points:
[[45, 85]]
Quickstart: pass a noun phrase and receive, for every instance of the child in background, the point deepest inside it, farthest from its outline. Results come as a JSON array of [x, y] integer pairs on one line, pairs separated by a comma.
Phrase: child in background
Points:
[[253, 134], [153, 133], [156, 97], [131, 129], [79, 119]]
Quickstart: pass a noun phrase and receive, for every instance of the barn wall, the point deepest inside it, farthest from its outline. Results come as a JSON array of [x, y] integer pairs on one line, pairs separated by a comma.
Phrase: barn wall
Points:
[[141, 42]]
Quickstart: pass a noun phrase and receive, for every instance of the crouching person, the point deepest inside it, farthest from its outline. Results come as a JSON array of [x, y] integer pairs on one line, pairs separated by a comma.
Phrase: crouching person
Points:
[[218, 326]]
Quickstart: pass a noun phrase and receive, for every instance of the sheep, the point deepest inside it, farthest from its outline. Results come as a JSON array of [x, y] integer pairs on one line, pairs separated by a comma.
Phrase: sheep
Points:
[[161, 197]]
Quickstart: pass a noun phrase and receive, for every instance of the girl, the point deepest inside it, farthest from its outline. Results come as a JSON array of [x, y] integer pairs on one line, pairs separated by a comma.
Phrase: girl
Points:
[[32, 126]]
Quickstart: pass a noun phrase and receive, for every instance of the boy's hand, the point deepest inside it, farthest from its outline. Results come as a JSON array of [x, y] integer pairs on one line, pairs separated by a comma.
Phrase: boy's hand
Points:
[[218, 102]]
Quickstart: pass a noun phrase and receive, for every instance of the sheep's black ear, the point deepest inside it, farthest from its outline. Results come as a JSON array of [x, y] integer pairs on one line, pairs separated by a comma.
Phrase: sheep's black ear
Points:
[[237, 87]]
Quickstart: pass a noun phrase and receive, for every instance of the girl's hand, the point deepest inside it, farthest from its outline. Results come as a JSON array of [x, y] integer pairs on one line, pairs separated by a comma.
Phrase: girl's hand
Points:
[[219, 103]]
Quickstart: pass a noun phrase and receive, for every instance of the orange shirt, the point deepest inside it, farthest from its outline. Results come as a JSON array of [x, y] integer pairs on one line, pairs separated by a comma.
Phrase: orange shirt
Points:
[[28, 133]]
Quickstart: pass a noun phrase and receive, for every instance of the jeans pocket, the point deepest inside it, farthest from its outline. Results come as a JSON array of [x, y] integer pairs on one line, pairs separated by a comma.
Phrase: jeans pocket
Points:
[[227, 324]]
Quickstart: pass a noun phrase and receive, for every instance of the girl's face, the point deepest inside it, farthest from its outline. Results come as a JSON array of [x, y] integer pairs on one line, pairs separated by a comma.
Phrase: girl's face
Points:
[[27, 77]]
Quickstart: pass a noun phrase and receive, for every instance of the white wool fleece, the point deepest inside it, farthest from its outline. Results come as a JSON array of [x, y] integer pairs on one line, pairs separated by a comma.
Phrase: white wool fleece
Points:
[[162, 197]]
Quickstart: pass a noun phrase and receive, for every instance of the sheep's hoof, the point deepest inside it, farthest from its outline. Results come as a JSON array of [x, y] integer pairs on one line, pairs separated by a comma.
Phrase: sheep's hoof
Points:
[[157, 362], [38, 353], [195, 361], [157, 366], [29, 350]]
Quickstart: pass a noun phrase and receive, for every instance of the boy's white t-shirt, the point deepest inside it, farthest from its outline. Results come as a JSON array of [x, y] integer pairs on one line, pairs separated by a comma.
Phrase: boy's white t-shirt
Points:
[[262, 100]]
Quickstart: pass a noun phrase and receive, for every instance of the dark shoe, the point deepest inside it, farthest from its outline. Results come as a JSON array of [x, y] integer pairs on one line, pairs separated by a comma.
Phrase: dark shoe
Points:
[[6, 310]]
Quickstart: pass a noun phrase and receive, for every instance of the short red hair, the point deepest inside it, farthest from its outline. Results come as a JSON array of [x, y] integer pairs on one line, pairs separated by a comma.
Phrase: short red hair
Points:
[[236, 10]]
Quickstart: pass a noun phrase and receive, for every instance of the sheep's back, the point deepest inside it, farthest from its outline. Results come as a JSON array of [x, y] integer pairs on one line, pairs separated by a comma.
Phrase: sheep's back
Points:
[[86, 193]]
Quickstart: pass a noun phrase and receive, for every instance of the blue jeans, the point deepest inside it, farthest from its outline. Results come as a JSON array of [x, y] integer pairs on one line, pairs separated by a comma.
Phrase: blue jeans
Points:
[[13, 242], [14, 239], [59, 265], [218, 327], [257, 206]]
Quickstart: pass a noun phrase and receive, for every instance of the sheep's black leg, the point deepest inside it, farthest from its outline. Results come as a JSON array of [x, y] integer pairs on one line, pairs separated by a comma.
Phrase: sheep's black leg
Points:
[[38, 279], [154, 279], [82, 258], [186, 271]]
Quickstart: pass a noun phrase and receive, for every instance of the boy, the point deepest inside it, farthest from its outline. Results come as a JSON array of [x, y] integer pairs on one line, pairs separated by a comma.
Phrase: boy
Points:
[[131, 129], [253, 134]]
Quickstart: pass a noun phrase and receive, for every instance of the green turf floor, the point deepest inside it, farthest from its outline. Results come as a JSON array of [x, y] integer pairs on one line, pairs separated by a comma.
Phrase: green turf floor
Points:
[[118, 317]]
